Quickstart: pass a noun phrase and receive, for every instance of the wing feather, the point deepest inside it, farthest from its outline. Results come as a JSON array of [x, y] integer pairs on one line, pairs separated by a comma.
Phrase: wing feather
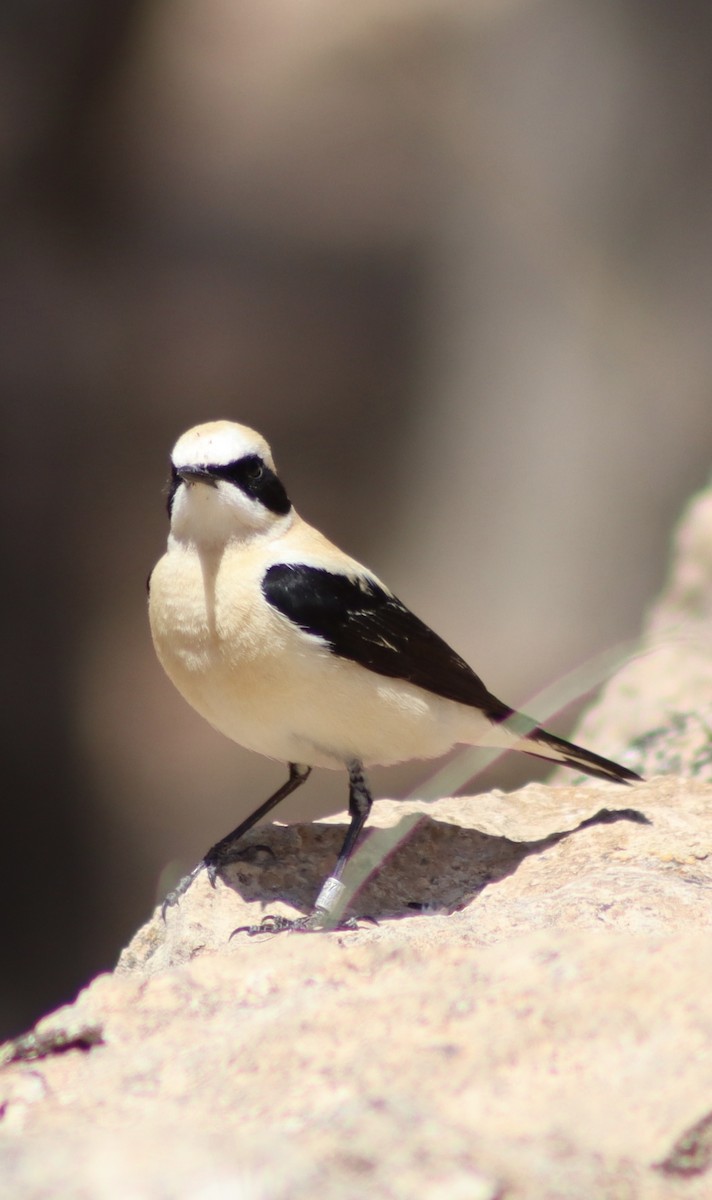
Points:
[[360, 621]]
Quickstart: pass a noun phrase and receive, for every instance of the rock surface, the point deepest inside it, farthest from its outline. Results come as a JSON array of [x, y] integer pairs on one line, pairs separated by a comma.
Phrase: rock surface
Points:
[[660, 704], [634, 859], [529, 1018]]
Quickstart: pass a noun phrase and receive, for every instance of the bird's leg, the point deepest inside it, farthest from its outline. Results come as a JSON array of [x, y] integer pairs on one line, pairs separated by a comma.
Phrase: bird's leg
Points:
[[328, 901], [222, 853], [360, 802]]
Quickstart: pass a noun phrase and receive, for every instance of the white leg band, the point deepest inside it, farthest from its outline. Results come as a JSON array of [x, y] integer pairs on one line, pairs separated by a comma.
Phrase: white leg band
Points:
[[330, 895]]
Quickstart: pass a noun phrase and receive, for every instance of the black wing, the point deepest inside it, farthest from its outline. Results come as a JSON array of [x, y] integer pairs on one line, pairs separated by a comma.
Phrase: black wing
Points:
[[360, 621]]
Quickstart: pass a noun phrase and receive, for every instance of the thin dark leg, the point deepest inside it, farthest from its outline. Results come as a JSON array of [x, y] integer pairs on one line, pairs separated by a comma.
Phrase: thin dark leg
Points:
[[325, 913], [219, 855], [360, 802]]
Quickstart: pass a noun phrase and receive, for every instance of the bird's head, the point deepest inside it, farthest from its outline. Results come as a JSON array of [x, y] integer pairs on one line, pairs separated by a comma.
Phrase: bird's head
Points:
[[223, 486]]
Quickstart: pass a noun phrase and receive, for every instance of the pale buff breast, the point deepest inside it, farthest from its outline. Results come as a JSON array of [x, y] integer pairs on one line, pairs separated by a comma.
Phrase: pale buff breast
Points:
[[262, 682]]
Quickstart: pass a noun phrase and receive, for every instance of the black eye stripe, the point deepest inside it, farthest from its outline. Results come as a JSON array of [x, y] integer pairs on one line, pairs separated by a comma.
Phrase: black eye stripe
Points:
[[251, 474], [171, 489], [256, 480]]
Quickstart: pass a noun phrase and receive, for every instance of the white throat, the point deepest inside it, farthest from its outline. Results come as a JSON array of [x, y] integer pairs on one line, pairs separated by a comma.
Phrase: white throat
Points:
[[211, 517]]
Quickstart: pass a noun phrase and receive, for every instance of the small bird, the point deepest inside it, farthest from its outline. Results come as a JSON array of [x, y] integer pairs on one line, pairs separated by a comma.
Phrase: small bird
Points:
[[293, 649]]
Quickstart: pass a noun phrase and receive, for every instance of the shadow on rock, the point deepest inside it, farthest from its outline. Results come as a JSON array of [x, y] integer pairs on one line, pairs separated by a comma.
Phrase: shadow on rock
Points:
[[421, 865]]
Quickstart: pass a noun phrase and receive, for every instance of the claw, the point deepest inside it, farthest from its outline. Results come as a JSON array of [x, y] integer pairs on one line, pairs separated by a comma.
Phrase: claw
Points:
[[275, 924], [315, 922], [213, 864], [180, 889]]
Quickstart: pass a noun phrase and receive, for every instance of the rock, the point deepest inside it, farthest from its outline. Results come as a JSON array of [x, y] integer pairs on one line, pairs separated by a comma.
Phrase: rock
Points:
[[553, 1064], [659, 704], [546, 1040], [637, 859], [529, 1017]]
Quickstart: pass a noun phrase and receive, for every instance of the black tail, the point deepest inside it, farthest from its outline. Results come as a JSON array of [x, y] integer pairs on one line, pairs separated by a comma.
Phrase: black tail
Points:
[[552, 748], [570, 755]]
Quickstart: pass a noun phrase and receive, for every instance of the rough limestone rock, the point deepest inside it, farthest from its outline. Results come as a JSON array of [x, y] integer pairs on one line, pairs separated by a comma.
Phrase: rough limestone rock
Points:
[[529, 1018], [634, 859], [660, 704]]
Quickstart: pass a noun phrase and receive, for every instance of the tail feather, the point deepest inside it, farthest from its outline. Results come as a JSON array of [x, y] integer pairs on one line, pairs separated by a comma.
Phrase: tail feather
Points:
[[524, 734], [570, 755]]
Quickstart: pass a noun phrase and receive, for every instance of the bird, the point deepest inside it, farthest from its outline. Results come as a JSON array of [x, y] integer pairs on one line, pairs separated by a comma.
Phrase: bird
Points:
[[295, 650]]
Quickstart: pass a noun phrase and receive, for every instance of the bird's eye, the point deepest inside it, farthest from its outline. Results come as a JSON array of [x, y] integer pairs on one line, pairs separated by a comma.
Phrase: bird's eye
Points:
[[255, 472]]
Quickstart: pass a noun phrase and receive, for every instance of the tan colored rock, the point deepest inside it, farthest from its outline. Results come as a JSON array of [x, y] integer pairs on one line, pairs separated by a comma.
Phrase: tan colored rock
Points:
[[539, 1027], [533, 1044], [661, 701], [552, 869], [555, 1064]]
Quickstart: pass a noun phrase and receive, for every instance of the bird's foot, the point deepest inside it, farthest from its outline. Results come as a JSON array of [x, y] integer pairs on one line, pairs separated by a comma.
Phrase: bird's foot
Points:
[[182, 887], [326, 915], [218, 857], [317, 921]]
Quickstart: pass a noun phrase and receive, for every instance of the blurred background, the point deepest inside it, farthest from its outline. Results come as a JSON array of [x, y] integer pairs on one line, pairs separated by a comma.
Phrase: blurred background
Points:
[[454, 260]]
